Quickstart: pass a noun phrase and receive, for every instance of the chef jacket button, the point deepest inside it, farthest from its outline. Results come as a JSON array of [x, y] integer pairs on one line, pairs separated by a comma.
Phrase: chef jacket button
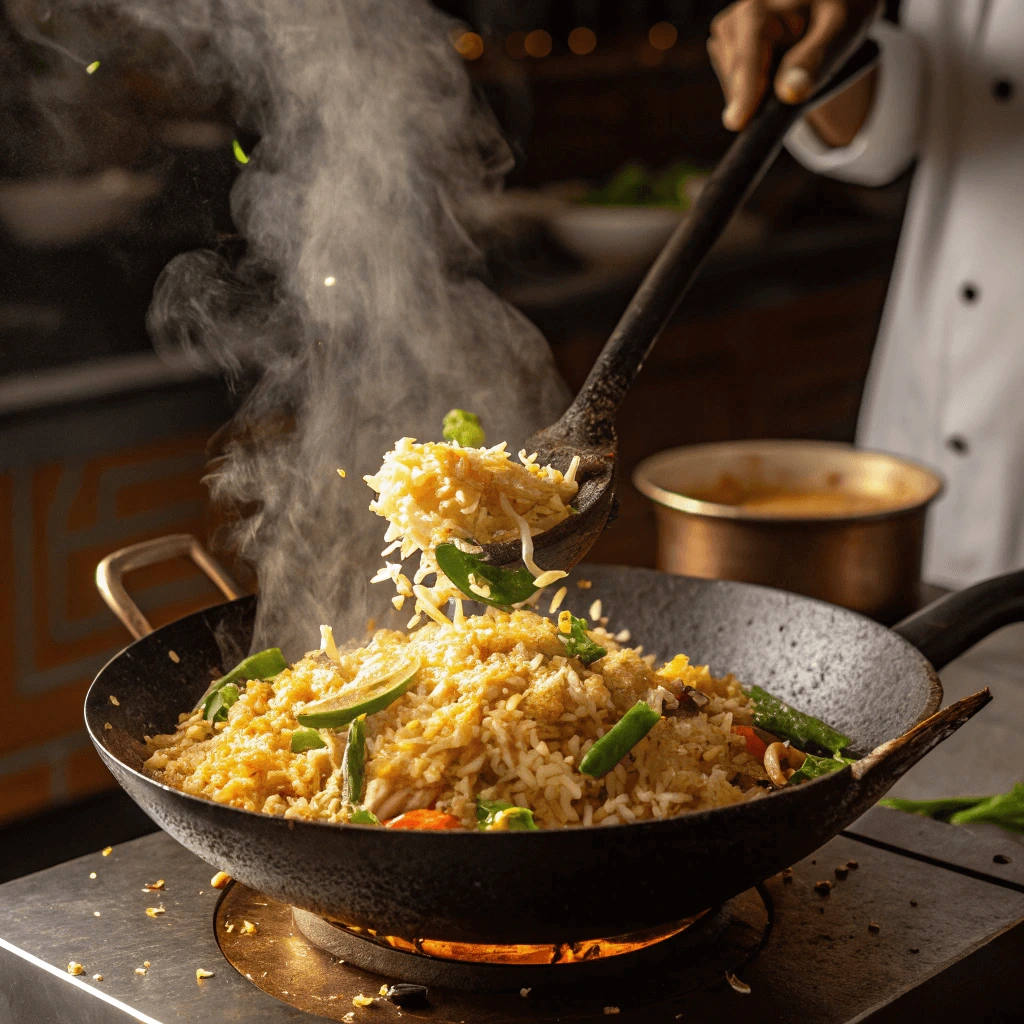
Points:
[[968, 292], [1002, 89], [957, 443]]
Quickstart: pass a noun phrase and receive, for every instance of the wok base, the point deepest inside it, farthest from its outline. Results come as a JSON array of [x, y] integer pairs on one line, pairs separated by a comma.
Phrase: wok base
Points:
[[318, 966]]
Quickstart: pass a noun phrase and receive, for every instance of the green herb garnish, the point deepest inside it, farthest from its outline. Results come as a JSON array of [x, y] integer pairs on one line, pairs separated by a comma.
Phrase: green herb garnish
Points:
[[361, 816], [505, 587], [577, 643], [499, 815], [216, 708], [814, 766], [463, 427], [353, 762], [775, 716], [262, 665], [1004, 809], [240, 154], [307, 739], [615, 744]]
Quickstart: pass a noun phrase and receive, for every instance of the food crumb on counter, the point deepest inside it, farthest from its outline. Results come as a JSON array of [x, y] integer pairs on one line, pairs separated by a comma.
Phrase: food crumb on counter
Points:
[[248, 928], [107, 725], [140, 970], [852, 865], [146, 963], [361, 1000], [524, 992], [220, 879], [115, 701], [155, 911], [97, 977], [787, 876], [92, 874], [913, 903], [823, 888], [95, 913], [915, 949], [349, 1017], [74, 967], [736, 985], [611, 1009], [107, 851], [153, 886], [200, 974], [407, 995], [874, 927], [584, 585], [173, 655], [842, 872]]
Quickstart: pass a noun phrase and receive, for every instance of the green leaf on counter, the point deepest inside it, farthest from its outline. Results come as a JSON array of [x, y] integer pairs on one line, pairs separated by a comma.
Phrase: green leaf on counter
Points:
[[1004, 809]]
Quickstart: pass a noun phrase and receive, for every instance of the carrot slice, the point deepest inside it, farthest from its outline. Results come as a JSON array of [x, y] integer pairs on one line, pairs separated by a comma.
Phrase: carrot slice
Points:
[[436, 821], [755, 745]]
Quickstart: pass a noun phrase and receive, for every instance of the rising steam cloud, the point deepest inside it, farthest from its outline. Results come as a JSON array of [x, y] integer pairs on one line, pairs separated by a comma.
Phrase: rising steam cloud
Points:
[[356, 309]]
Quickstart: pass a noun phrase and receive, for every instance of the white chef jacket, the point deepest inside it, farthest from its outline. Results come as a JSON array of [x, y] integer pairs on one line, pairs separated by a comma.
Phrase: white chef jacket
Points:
[[946, 385]]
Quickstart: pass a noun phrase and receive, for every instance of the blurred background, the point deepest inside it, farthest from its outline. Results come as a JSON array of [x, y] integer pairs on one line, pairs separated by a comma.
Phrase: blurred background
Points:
[[613, 113]]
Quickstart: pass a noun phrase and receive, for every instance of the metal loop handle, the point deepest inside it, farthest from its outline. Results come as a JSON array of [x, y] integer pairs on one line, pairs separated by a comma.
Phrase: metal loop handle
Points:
[[110, 575]]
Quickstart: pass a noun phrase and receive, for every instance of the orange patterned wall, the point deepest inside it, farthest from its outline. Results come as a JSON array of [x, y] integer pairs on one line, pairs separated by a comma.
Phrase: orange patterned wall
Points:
[[58, 518]]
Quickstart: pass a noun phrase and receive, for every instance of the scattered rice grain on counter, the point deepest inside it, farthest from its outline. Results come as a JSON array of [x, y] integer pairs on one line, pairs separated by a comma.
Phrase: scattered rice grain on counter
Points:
[[361, 1000], [220, 880], [437, 492], [496, 711], [74, 967], [107, 851], [201, 974]]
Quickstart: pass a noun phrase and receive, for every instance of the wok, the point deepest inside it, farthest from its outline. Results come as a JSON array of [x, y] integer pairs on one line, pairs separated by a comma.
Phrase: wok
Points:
[[875, 684]]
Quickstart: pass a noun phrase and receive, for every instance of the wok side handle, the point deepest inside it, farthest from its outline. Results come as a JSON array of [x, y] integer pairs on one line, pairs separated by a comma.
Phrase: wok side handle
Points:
[[951, 625], [110, 575], [885, 764]]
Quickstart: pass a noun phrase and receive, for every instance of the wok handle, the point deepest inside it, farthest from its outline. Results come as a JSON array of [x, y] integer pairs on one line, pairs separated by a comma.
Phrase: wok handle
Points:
[[110, 575], [951, 625]]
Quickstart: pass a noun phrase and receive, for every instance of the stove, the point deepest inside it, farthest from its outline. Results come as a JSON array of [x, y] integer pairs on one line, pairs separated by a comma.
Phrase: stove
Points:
[[917, 917]]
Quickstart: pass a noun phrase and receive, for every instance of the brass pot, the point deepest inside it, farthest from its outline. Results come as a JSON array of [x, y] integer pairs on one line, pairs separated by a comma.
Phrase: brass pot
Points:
[[827, 520]]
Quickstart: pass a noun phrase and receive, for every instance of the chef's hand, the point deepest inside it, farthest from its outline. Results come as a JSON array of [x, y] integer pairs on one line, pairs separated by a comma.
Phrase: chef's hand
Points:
[[741, 43]]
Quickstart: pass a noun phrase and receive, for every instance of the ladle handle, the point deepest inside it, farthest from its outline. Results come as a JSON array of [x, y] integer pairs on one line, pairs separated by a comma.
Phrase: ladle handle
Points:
[[951, 625], [591, 416]]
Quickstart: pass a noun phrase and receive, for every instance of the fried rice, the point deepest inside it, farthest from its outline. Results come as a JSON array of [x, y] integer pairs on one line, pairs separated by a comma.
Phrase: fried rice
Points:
[[440, 492], [497, 711]]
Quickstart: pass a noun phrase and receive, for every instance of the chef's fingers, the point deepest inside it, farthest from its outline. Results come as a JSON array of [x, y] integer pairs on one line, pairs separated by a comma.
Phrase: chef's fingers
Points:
[[742, 50], [798, 71]]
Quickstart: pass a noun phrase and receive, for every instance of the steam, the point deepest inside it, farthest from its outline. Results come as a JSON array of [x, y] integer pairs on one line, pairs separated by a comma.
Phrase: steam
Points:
[[357, 308]]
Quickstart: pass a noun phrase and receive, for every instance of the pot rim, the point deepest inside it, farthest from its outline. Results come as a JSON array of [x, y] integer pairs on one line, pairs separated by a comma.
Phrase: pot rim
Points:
[[644, 473]]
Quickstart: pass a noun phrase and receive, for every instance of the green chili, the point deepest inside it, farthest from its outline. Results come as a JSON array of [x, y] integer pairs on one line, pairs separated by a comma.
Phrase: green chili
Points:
[[353, 762], [216, 708], [615, 744], [1004, 809], [814, 766], [775, 716]]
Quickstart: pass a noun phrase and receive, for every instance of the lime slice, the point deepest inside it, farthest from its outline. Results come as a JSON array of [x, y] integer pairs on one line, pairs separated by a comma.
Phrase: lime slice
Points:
[[364, 698]]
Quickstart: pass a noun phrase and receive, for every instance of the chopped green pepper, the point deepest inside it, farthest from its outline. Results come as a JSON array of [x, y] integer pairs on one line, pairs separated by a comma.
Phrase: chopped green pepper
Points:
[[577, 643], [307, 739], [505, 587], [615, 744], [361, 816], [500, 815], [777, 717], [216, 708], [353, 762], [814, 766], [463, 427], [261, 665]]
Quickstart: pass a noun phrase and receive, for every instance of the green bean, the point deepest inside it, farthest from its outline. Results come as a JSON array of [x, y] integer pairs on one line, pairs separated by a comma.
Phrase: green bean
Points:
[[615, 744]]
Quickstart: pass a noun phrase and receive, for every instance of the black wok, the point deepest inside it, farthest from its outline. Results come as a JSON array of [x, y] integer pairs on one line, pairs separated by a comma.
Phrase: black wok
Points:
[[873, 683]]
